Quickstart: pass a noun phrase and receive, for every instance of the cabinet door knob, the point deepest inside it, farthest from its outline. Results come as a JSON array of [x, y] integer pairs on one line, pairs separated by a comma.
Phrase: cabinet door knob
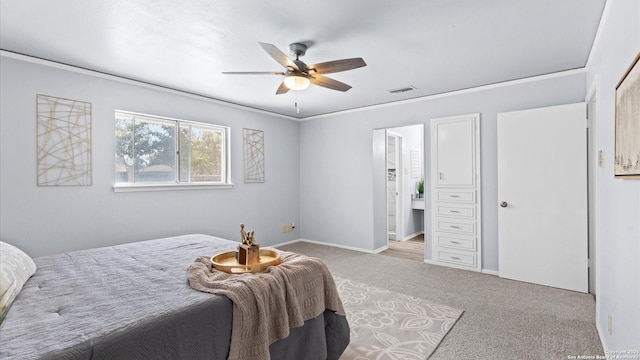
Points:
[[504, 204]]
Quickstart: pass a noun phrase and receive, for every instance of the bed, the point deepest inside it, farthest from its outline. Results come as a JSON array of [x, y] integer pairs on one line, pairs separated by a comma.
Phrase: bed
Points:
[[133, 301]]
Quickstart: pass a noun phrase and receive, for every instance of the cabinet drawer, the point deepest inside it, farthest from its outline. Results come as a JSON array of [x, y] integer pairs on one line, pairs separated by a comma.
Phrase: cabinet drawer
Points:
[[456, 258], [461, 196], [456, 226], [417, 204], [456, 241], [462, 212]]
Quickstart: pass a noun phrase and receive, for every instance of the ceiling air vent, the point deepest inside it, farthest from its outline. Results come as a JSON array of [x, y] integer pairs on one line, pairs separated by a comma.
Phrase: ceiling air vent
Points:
[[401, 90]]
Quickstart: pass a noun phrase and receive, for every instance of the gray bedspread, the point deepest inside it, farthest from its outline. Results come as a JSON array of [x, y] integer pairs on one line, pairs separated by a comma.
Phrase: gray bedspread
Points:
[[133, 301]]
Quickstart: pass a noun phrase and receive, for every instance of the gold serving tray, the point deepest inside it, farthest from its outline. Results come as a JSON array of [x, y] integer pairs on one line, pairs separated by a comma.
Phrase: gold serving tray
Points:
[[227, 262]]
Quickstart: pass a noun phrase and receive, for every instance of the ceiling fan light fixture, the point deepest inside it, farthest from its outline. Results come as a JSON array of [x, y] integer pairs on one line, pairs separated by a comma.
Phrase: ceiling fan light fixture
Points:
[[296, 82]]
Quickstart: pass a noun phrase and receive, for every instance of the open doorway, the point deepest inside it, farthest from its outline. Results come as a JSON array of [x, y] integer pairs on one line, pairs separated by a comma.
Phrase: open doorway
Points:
[[404, 202]]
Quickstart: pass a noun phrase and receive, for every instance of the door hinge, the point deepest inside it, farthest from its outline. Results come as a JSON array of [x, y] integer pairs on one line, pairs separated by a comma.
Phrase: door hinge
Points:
[[589, 120], [586, 110]]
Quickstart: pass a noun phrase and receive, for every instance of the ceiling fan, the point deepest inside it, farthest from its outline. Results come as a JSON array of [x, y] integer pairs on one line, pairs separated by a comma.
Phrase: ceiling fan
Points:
[[299, 75]]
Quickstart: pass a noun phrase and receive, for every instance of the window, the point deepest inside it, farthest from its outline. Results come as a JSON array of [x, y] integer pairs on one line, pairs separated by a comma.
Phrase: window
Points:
[[159, 153]]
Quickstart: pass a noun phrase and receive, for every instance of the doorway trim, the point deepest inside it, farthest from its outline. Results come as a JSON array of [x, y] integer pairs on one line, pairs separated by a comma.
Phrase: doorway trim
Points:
[[593, 161], [379, 193], [399, 180]]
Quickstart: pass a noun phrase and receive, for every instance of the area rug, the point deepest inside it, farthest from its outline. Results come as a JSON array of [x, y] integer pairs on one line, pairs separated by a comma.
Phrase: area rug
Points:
[[389, 325]]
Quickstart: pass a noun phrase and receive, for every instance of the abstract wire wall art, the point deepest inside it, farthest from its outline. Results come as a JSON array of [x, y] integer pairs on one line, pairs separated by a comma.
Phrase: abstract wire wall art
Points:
[[253, 156], [627, 124], [64, 142]]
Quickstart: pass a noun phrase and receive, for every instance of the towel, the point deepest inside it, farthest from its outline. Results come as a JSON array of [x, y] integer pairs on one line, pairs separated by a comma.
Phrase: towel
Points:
[[266, 305]]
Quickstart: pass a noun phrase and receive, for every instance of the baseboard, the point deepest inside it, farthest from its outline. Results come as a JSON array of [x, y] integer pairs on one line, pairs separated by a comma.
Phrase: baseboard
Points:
[[490, 272], [484, 271], [412, 236], [605, 347], [375, 251], [286, 243]]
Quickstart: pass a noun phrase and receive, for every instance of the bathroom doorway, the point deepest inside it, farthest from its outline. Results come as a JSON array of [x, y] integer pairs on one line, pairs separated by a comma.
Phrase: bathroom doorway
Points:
[[404, 201]]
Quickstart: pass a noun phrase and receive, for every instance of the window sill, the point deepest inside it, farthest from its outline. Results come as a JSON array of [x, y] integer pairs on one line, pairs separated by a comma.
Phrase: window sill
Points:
[[168, 187]]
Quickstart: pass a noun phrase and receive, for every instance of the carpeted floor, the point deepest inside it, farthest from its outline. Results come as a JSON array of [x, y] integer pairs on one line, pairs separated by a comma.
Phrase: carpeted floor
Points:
[[503, 319]]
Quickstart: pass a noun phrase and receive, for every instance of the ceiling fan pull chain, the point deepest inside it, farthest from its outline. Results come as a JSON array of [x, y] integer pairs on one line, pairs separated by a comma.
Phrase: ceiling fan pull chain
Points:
[[296, 103]]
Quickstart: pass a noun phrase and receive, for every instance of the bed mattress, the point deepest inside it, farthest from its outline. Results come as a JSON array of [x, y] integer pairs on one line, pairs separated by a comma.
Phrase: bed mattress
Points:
[[133, 301]]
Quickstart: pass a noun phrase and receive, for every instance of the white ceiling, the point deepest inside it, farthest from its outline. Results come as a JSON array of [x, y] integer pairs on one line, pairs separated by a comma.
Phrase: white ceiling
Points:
[[436, 46]]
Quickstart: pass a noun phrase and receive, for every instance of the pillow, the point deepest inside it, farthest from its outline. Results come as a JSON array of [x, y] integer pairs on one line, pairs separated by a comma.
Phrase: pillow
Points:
[[16, 268]]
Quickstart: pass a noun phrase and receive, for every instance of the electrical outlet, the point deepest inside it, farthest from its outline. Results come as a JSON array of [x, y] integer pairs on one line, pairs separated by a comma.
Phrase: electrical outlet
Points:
[[288, 228], [610, 325]]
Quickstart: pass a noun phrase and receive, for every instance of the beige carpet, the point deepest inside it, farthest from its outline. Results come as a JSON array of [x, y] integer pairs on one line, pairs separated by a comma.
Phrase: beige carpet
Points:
[[389, 325], [503, 319]]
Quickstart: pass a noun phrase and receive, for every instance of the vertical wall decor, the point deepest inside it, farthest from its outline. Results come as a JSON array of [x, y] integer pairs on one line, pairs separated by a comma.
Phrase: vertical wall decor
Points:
[[627, 139], [253, 156], [64, 142]]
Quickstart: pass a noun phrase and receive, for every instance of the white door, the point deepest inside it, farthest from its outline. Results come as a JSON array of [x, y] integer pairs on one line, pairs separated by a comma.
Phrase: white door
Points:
[[395, 216], [542, 196]]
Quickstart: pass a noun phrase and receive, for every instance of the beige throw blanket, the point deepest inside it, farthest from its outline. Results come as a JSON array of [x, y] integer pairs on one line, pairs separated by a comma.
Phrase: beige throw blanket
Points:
[[266, 305]]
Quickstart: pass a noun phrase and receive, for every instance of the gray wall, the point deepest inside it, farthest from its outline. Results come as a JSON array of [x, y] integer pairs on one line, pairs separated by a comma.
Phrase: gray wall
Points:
[[339, 209], [618, 201], [45, 220]]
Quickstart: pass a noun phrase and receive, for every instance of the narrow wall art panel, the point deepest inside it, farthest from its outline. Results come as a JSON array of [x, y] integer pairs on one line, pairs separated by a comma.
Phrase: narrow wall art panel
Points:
[[64, 142], [253, 156]]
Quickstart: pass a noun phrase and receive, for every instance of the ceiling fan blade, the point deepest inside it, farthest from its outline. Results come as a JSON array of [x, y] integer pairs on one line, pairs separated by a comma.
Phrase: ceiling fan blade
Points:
[[282, 89], [337, 65], [324, 81], [279, 56], [253, 73]]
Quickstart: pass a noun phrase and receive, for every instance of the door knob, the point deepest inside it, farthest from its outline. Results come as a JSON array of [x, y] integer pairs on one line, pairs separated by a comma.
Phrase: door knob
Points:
[[504, 204]]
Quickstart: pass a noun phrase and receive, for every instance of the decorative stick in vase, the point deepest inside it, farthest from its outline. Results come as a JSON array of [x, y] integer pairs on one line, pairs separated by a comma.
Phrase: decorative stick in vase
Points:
[[249, 249]]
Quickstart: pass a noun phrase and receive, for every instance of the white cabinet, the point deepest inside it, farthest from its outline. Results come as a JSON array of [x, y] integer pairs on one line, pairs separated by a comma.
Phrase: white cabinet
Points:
[[417, 204], [455, 141], [455, 175]]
